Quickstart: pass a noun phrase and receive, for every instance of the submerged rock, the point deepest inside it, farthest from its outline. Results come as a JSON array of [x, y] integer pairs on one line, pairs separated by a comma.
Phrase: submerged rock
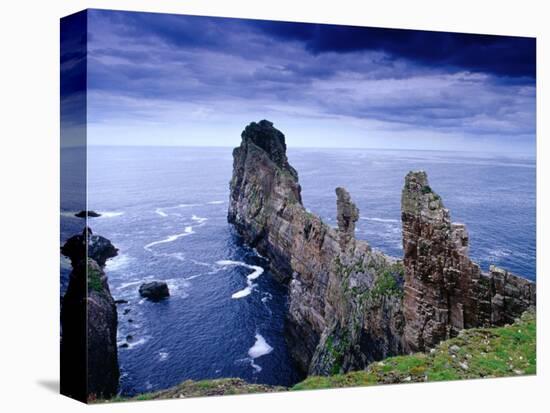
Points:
[[154, 290], [84, 214]]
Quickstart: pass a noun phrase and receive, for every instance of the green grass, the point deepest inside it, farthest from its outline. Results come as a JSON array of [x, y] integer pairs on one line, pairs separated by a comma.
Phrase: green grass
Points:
[[475, 353], [94, 279], [189, 388]]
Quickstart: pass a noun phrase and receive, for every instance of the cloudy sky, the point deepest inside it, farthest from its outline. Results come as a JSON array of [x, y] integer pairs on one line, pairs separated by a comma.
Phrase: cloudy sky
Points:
[[156, 79]]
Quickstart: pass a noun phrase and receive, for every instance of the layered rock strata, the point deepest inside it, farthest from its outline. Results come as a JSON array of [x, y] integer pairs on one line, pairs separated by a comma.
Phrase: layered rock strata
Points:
[[349, 304], [89, 358], [445, 291], [331, 274]]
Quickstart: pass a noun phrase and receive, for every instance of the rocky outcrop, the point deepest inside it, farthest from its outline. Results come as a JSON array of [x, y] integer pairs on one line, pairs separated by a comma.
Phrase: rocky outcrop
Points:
[[350, 305], [96, 247], [332, 319], [445, 291], [89, 358], [154, 290]]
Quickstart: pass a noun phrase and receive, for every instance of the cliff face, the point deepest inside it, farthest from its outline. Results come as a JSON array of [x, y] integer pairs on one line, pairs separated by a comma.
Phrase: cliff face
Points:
[[330, 273], [89, 321], [350, 305], [445, 291]]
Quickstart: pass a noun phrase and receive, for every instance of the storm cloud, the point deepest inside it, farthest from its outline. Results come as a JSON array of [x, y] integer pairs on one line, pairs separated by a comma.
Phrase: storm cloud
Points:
[[188, 79]]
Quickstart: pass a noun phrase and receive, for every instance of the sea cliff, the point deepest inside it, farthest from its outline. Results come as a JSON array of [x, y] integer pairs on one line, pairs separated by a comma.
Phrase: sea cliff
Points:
[[89, 356], [350, 305]]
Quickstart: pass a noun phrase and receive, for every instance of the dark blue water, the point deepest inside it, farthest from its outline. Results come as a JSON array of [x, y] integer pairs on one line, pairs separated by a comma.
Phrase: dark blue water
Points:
[[165, 209]]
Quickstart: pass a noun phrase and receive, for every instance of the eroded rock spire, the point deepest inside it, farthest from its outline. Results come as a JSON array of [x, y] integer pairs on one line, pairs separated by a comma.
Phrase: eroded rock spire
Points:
[[347, 216]]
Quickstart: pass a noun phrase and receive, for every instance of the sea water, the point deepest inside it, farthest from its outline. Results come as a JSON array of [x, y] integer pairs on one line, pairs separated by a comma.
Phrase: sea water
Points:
[[165, 210]]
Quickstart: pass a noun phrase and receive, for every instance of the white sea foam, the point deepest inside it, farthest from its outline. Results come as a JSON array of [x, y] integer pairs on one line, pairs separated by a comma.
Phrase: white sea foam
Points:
[[257, 271], [117, 263], [259, 349], [109, 214], [129, 284], [200, 220], [497, 253], [375, 219], [161, 212], [65, 263], [215, 202], [163, 355], [188, 231], [243, 293], [133, 344]]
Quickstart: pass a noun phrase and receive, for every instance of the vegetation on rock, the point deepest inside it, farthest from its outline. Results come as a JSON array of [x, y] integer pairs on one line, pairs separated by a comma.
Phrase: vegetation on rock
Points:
[[475, 353]]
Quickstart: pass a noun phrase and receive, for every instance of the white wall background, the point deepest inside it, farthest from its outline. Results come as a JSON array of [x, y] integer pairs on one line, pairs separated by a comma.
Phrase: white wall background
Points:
[[29, 202]]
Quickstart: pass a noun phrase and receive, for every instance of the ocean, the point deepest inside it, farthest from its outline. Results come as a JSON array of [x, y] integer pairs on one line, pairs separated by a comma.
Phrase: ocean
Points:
[[165, 209]]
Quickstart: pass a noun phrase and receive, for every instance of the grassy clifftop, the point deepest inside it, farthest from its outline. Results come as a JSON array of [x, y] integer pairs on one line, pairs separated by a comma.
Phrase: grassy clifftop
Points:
[[475, 353]]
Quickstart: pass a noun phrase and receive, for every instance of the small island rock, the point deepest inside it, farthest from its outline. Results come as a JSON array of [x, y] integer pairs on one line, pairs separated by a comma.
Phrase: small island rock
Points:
[[154, 290], [84, 214]]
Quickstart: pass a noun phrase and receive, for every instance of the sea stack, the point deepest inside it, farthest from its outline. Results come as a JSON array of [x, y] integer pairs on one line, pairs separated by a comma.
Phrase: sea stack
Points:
[[350, 305], [329, 324], [89, 321]]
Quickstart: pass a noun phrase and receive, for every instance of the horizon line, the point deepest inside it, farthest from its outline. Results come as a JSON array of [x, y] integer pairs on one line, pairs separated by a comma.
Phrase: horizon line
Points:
[[319, 147]]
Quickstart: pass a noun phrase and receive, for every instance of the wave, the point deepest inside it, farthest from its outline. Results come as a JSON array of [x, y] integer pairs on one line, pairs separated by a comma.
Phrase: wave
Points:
[[163, 355], [171, 238], [375, 219], [257, 271], [133, 344], [109, 214], [160, 212], [497, 253], [200, 220], [215, 202], [118, 262], [122, 286]]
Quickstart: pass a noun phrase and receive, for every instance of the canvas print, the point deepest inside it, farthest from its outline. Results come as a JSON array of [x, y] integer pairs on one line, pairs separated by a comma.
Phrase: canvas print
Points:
[[264, 206]]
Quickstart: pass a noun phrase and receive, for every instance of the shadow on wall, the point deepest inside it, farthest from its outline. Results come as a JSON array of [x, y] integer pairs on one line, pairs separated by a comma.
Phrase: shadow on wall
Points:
[[51, 385]]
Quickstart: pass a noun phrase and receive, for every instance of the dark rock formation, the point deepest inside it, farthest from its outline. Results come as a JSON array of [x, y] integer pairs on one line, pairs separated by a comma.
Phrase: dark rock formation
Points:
[[445, 291], [96, 247], [84, 214], [348, 304], [154, 290], [103, 370], [89, 359]]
